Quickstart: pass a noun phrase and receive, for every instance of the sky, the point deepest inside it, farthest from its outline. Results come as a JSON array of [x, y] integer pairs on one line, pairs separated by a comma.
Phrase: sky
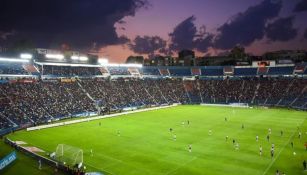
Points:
[[116, 29]]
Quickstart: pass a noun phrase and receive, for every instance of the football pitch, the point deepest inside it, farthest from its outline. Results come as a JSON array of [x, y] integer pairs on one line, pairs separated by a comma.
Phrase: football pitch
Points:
[[142, 143]]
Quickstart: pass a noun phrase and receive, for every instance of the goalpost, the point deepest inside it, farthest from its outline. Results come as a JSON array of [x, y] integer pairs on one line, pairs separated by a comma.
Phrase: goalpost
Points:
[[69, 155]]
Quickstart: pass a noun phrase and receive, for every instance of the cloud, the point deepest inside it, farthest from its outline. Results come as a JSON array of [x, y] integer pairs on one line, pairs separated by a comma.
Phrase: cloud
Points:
[[186, 36], [147, 44], [6, 35], [281, 29], [202, 44], [76, 22], [183, 35], [248, 26], [301, 6], [305, 34]]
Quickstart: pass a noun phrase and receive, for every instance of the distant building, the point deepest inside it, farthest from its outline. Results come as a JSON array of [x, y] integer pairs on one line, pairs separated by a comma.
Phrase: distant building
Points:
[[283, 55], [135, 60], [161, 61], [186, 58]]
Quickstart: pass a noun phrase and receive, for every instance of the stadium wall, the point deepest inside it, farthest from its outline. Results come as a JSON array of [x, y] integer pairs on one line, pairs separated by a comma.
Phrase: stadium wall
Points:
[[237, 105]]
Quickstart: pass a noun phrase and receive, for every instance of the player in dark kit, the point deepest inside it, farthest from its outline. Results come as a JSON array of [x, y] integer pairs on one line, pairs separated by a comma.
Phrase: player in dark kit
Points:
[[272, 153], [268, 137], [304, 165], [170, 129]]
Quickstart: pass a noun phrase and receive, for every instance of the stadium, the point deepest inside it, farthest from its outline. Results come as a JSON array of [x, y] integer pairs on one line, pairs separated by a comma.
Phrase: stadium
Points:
[[130, 119], [104, 88]]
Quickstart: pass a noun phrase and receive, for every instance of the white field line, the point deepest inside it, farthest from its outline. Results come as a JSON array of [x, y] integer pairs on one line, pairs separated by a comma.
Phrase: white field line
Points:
[[275, 158], [182, 165]]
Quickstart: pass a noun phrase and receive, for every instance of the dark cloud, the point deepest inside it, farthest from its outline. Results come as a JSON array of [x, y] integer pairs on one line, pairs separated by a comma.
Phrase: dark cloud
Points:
[[165, 51], [186, 36], [183, 35], [147, 44], [301, 6], [281, 29], [248, 26], [6, 35], [76, 22], [202, 44]]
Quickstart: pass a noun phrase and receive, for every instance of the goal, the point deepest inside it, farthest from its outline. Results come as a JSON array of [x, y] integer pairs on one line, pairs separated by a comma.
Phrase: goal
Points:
[[69, 155]]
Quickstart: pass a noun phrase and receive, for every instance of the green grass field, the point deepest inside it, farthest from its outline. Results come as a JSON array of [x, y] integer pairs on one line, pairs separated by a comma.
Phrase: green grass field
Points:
[[146, 146]]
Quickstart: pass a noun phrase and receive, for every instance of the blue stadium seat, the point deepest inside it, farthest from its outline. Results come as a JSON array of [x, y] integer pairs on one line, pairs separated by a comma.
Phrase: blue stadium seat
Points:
[[150, 71], [212, 71], [180, 71], [281, 70], [245, 71]]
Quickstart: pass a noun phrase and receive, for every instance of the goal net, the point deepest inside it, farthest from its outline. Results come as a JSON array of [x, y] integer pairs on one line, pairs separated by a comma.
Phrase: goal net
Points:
[[69, 155]]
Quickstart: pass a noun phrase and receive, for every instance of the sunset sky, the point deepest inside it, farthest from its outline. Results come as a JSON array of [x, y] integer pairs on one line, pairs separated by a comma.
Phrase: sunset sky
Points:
[[119, 28]]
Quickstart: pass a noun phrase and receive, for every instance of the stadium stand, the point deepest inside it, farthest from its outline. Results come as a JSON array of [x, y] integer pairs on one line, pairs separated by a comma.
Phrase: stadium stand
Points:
[[69, 71], [150, 71], [245, 71], [180, 71], [212, 71], [281, 70], [31, 101], [12, 68]]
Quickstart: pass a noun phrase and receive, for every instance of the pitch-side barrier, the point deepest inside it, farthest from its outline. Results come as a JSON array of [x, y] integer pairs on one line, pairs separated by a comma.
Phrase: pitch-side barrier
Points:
[[96, 118], [236, 105]]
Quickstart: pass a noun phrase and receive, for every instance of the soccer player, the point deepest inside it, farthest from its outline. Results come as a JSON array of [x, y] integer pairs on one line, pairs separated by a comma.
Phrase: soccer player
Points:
[[39, 164], [188, 122], [92, 152], [118, 132], [268, 137], [174, 137], [233, 141], [99, 123], [260, 150], [272, 153], [257, 138], [305, 145], [292, 144], [242, 126], [226, 138], [304, 165], [170, 129], [281, 133], [299, 135], [237, 146], [210, 132], [182, 123], [270, 131], [225, 119], [190, 148]]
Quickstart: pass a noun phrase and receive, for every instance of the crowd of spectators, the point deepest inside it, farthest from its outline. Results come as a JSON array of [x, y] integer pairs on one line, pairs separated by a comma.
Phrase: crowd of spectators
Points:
[[12, 68], [69, 71], [30, 103]]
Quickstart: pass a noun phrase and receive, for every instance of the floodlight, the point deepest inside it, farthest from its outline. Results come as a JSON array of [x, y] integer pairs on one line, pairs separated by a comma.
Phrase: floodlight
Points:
[[55, 56], [103, 61], [83, 58], [26, 56]]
